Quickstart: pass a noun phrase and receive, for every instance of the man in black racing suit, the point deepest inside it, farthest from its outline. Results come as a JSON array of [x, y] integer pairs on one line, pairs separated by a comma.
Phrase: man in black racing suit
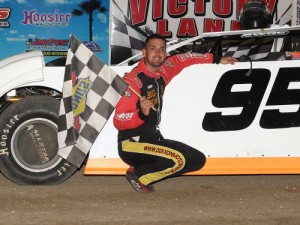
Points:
[[138, 113]]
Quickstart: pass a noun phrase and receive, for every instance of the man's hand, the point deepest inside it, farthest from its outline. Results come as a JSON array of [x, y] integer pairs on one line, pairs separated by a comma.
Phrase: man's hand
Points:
[[146, 105], [228, 60]]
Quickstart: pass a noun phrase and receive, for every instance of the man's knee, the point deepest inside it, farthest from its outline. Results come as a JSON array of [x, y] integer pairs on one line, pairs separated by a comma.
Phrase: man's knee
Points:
[[198, 160]]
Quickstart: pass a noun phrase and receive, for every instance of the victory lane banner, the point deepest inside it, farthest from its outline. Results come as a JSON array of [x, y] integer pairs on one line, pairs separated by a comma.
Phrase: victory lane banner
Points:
[[91, 91]]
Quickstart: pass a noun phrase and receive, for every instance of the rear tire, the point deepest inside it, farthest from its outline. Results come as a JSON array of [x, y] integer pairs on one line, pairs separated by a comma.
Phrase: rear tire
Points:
[[28, 143]]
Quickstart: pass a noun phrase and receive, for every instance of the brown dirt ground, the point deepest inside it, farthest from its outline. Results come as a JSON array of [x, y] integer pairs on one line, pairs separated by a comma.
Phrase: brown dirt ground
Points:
[[110, 200]]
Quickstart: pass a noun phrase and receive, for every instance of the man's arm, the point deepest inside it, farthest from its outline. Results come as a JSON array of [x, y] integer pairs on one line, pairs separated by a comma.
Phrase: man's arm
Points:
[[175, 64], [127, 115], [228, 60]]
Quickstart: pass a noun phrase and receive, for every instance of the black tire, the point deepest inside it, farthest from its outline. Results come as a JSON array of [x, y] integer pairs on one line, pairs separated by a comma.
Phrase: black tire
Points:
[[28, 146]]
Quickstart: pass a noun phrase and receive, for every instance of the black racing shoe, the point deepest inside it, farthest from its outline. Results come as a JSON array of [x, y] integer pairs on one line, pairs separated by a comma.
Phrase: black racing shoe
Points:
[[136, 184]]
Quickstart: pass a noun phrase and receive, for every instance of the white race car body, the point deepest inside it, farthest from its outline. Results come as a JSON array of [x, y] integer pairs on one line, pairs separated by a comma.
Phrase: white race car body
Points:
[[260, 134], [243, 148], [244, 117]]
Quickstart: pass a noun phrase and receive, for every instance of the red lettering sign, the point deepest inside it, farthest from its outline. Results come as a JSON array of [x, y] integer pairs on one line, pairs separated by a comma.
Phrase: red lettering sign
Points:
[[162, 28], [222, 8], [187, 28], [200, 7], [138, 9], [235, 25], [158, 9], [211, 25], [4, 13], [177, 8]]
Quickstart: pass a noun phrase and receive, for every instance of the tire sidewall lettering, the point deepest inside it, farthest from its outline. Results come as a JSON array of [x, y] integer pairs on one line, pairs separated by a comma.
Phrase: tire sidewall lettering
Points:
[[5, 135], [21, 163]]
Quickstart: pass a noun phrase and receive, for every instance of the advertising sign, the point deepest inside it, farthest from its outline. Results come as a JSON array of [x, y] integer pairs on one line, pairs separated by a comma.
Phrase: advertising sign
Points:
[[27, 25], [133, 20]]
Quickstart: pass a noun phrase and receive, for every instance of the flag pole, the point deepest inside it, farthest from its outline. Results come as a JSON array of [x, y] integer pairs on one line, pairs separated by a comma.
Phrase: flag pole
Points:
[[135, 92]]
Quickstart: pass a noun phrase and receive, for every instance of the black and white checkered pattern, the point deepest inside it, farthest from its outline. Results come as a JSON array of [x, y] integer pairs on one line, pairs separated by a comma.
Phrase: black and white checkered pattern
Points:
[[97, 95], [127, 40], [249, 48], [286, 17], [252, 48]]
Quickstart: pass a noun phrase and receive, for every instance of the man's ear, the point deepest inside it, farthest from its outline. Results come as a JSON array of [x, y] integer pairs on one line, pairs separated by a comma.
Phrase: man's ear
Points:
[[143, 52]]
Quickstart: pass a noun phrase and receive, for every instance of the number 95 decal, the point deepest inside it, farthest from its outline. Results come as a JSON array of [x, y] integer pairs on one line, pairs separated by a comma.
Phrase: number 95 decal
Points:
[[282, 94]]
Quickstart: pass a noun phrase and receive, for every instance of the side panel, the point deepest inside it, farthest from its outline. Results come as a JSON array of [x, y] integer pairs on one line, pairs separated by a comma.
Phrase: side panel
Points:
[[213, 166], [242, 124]]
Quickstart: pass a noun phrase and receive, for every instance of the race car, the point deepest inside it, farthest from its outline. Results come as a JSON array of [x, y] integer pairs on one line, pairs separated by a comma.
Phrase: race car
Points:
[[244, 117]]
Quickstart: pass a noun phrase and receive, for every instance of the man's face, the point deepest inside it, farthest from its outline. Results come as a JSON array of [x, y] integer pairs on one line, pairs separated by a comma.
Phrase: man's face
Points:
[[154, 54]]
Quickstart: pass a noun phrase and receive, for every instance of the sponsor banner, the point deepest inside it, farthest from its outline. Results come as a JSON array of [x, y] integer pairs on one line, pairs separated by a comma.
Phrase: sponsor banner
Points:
[[135, 19], [4, 15], [188, 18], [46, 26]]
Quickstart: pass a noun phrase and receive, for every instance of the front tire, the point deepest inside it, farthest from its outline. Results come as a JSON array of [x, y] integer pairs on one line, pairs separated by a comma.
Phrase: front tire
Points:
[[28, 143]]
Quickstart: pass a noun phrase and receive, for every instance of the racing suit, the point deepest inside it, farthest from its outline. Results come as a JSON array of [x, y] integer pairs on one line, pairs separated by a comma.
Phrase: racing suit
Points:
[[140, 143]]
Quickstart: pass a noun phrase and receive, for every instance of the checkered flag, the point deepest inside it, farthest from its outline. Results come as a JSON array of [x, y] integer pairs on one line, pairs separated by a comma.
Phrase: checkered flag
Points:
[[127, 40], [91, 91]]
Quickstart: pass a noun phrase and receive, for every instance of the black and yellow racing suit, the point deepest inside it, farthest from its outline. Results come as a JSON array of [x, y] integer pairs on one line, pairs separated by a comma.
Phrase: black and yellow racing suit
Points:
[[140, 142]]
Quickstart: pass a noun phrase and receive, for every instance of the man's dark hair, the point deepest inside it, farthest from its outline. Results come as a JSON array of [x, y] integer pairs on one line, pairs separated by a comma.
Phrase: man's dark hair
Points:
[[154, 36]]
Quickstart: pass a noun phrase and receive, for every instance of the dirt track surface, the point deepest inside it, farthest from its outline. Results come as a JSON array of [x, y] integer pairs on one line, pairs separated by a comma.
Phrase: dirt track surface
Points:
[[109, 200]]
